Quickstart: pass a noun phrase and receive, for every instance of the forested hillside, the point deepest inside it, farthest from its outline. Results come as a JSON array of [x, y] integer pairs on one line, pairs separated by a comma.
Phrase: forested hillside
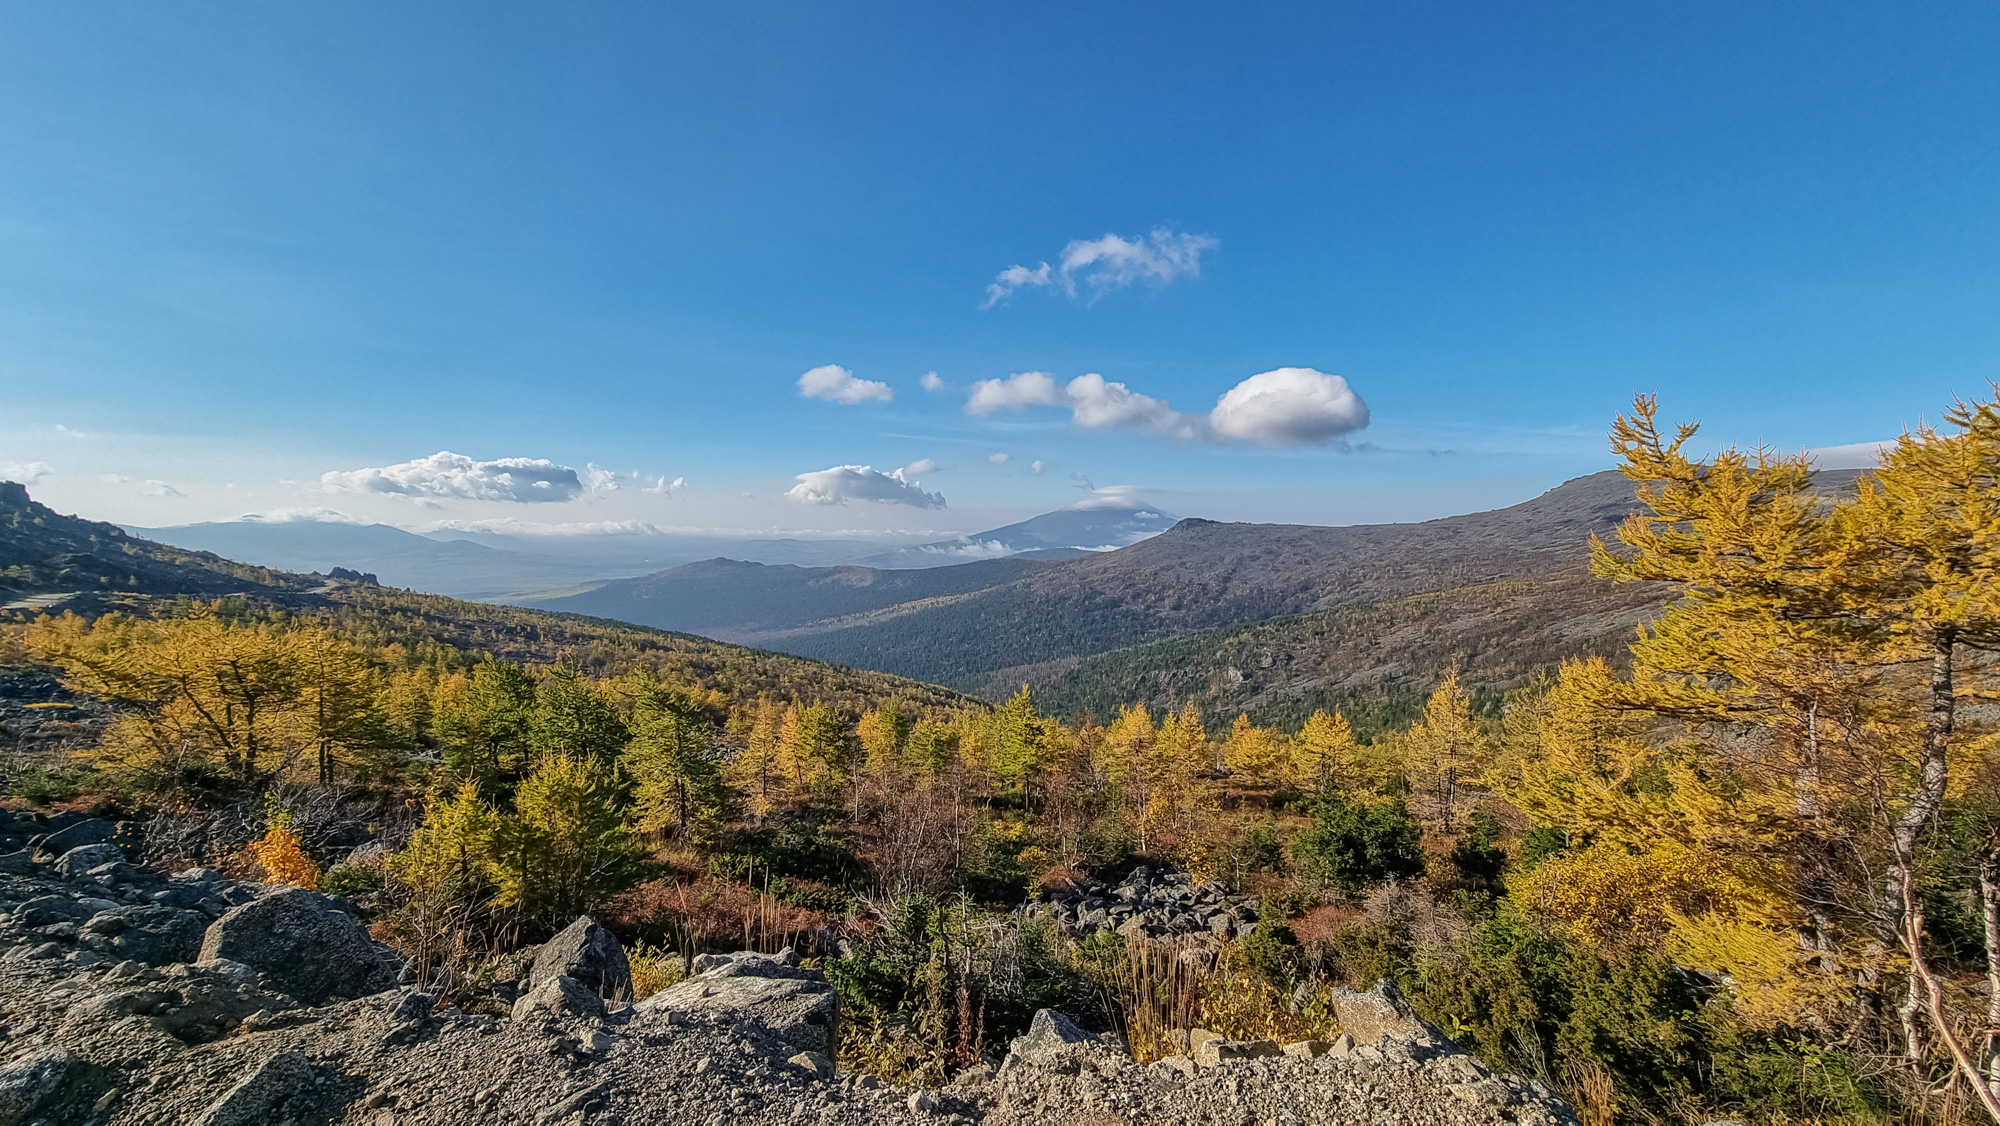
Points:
[[1373, 662], [1506, 588], [99, 567], [43, 553]]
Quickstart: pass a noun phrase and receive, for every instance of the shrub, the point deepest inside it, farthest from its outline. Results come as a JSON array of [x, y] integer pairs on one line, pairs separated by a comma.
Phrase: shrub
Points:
[[1348, 846], [278, 852]]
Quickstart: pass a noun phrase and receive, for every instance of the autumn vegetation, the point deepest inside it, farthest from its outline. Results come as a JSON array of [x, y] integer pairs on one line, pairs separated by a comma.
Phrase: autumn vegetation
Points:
[[1751, 866]]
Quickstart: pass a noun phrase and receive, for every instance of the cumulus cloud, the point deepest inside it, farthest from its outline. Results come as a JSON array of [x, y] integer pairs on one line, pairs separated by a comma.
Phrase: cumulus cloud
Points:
[[1280, 408], [836, 384], [1019, 391], [455, 476], [920, 467], [930, 381], [843, 483], [664, 487], [312, 515], [1094, 267], [999, 459], [1093, 401], [25, 472], [1035, 467], [1288, 407], [160, 489], [1100, 404]]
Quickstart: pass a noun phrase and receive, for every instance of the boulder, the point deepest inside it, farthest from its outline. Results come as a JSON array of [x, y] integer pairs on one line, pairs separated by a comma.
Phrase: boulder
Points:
[[18, 863], [562, 995], [1209, 1053], [1382, 1013], [302, 947], [281, 1083], [588, 953], [1052, 1039], [817, 1063], [94, 830], [46, 909], [27, 1082], [74, 863], [152, 934], [797, 1005]]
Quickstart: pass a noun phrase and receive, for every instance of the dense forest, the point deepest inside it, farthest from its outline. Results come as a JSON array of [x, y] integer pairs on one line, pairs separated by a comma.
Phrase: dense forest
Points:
[[1749, 866]]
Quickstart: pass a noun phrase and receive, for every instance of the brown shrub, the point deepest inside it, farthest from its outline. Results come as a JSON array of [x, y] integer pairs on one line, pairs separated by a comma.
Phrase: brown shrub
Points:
[[709, 913]]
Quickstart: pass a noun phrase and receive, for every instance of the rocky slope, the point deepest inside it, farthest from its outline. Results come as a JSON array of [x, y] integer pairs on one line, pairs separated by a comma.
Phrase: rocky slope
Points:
[[133, 996]]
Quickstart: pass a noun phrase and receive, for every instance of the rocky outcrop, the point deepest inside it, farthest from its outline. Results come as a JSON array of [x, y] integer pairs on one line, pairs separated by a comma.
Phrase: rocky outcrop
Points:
[[303, 945], [1382, 1014], [1152, 904], [795, 1004], [589, 954]]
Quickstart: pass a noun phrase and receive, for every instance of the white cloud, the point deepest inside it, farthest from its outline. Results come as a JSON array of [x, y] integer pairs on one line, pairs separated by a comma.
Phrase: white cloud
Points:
[[1104, 264], [25, 472], [930, 381], [313, 515], [160, 489], [69, 432], [1112, 496], [1016, 392], [597, 480], [920, 467], [1094, 402], [1035, 467], [1288, 407], [664, 487], [836, 384], [1099, 404], [843, 483], [999, 459], [1285, 407], [514, 526], [1854, 455], [445, 474]]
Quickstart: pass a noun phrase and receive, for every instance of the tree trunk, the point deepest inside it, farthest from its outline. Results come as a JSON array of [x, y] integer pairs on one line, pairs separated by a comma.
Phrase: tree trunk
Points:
[[1924, 804], [1989, 902]]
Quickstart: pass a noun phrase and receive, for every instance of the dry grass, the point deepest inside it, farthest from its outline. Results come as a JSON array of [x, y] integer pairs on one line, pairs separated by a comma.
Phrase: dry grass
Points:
[[708, 914], [1159, 987]]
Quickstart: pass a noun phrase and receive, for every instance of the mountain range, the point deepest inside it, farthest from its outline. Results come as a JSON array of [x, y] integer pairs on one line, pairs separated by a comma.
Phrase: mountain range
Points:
[[1274, 619], [519, 567]]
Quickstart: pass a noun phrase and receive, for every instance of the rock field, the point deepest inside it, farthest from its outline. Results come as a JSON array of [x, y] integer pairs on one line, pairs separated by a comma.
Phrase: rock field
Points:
[[1169, 903], [133, 996]]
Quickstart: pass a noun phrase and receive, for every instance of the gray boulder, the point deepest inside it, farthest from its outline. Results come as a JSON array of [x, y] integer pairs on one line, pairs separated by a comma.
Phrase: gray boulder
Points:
[[302, 947], [152, 934], [75, 863], [1054, 1040], [795, 1004], [46, 909], [28, 1082], [18, 863], [588, 953], [559, 994], [94, 830], [1383, 1014]]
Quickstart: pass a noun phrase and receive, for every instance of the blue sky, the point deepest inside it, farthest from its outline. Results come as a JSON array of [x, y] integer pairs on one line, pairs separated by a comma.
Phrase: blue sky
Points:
[[243, 247]]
